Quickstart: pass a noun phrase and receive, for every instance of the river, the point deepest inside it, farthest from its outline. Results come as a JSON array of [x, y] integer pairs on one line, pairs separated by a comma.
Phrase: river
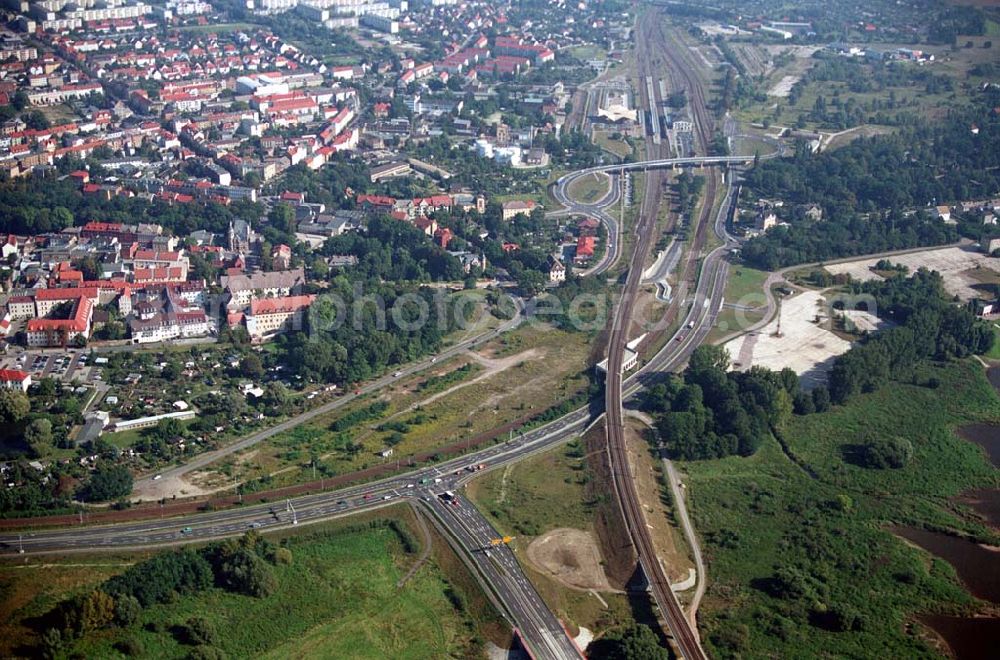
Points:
[[970, 638]]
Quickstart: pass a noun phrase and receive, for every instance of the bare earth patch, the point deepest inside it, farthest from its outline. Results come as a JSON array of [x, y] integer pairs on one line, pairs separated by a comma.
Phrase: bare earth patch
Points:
[[963, 268], [167, 487], [571, 556]]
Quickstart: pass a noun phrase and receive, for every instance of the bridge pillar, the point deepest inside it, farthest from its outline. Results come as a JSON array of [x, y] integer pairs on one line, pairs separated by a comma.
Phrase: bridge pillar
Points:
[[638, 583]]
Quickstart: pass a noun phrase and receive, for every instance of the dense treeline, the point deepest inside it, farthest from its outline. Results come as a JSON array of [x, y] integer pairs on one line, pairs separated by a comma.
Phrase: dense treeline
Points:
[[711, 412], [328, 184], [929, 327], [396, 251], [844, 236], [867, 188], [353, 333], [243, 566], [35, 205]]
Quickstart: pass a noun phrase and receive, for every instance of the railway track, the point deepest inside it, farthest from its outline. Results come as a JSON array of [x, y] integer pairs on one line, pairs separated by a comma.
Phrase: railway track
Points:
[[661, 60]]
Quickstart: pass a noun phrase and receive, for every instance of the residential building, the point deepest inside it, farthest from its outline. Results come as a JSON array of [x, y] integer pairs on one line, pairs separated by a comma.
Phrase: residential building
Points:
[[515, 207], [44, 332], [557, 271], [15, 379], [271, 316], [242, 289]]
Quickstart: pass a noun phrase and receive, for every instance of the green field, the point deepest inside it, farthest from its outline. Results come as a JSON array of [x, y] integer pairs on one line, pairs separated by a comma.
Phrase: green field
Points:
[[619, 148], [338, 599], [589, 189], [519, 499], [421, 414], [994, 353], [537, 495], [822, 520], [745, 286]]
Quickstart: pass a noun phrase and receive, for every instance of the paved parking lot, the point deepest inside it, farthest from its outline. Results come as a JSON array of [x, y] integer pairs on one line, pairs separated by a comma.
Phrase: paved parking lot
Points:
[[67, 366]]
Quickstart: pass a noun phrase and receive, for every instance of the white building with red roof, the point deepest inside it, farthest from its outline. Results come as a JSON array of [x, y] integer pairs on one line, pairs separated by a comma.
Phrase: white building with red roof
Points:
[[15, 379]]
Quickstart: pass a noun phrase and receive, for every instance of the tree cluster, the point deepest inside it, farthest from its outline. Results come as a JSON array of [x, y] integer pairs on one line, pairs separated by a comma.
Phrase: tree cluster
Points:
[[867, 188], [636, 642], [928, 326], [45, 205], [395, 251], [107, 482], [243, 565], [339, 350], [712, 412]]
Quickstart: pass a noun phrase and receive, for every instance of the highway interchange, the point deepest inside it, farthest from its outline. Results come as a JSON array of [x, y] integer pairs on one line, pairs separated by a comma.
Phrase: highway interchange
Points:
[[498, 571], [467, 529]]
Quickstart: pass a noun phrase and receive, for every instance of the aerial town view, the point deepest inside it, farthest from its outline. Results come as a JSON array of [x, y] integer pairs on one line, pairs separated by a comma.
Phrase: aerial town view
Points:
[[513, 329]]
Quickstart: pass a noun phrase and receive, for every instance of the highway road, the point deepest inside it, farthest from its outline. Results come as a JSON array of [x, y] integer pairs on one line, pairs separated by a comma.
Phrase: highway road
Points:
[[467, 528], [514, 594]]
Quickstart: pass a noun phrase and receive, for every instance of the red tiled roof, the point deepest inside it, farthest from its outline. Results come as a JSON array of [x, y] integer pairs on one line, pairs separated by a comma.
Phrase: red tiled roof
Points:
[[282, 305], [13, 375]]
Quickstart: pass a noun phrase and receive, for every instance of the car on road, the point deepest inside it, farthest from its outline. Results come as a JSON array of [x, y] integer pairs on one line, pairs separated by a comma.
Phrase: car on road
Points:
[[157, 477], [186, 530], [680, 338], [397, 374], [256, 525]]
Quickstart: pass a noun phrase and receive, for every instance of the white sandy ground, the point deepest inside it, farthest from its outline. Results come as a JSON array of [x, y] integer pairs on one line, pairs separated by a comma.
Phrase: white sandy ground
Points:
[[952, 262], [783, 87], [805, 346]]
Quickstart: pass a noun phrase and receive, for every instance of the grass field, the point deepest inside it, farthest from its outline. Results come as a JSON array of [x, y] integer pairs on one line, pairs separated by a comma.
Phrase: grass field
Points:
[[619, 148], [421, 416], [588, 52], [589, 189], [994, 353], [744, 287], [827, 529], [337, 599], [519, 499], [540, 494]]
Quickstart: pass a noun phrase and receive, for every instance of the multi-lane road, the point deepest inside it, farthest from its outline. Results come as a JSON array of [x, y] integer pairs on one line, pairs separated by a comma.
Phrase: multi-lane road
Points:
[[466, 528], [499, 570]]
